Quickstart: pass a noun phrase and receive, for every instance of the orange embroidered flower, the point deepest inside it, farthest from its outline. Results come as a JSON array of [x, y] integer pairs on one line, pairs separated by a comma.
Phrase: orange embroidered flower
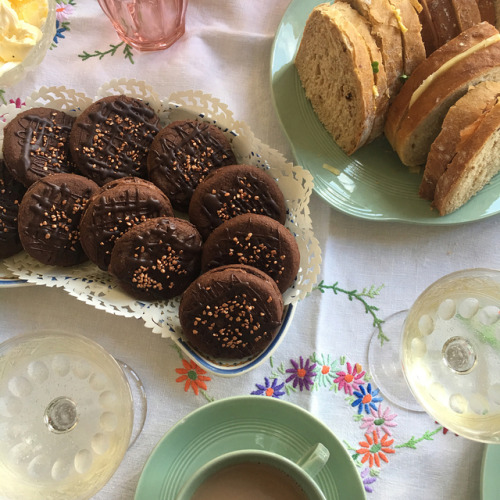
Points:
[[373, 450], [193, 375]]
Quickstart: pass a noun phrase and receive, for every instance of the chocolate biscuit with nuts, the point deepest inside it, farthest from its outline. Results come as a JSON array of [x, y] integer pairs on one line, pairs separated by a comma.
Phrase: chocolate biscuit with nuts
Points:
[[49, 218], [111, 138], [231, 313], [36, 144], [232, 191], [157, 259]]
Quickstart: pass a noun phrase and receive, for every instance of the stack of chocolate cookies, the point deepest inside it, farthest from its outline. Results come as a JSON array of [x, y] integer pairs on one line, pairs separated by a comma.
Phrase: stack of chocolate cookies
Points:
[[167, 210]]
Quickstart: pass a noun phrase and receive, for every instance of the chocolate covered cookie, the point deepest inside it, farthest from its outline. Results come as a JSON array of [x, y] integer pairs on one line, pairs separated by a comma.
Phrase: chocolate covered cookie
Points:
[[36, 144], [111, 212], [232, 191], [157, 259], [49, 218], [11, 194], [183, 154], [111, 138], [231, 312], [255, 240]]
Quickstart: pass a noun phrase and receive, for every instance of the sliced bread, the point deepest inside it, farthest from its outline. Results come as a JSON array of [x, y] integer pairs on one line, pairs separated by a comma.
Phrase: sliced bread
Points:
[[476, 161], [460, 121], [487, 9], [334, 66], [444, 20], [386, 31], [410, 32], [466, 12], [380, 90], [436, 90], [429, 35]]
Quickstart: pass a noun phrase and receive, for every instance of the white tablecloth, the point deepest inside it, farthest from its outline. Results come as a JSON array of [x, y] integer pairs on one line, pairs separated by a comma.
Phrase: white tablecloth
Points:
[[226, 52]]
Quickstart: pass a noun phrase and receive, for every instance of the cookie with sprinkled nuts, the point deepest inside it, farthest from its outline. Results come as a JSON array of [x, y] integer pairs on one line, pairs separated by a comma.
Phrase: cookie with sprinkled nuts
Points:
[[112, 137], [157, 259], [255, 240], [49, 218], [111, 212], [231, 312], [36, 144], [11, 194], [232, 191], [183, 154]]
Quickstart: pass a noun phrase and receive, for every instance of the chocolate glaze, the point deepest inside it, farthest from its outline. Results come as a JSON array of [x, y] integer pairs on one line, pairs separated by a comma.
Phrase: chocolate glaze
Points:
[[11, 193], [184, 154], [112, 139]]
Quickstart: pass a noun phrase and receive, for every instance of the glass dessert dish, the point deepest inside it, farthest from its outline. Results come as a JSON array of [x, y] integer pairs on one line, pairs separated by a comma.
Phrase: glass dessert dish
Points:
[[68, 413], [449, 353], [26, 52]]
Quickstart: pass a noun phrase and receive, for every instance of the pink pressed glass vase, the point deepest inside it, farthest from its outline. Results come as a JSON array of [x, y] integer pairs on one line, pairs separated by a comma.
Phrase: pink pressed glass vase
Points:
[[147, 24]]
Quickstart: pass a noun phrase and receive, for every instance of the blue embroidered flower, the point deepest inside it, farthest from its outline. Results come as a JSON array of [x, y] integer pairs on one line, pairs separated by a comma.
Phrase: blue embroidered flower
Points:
[[366, 398], [60, 29], [270, 389], [302, 374]]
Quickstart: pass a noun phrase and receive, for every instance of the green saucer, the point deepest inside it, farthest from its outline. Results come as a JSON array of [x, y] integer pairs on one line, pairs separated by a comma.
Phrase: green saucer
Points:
[[245, 422], [490, 480]]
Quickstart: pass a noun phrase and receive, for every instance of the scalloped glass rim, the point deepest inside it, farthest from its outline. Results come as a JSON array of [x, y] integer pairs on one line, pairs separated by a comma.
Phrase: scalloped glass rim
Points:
[[371, 184], [97, 288], [37, 53]]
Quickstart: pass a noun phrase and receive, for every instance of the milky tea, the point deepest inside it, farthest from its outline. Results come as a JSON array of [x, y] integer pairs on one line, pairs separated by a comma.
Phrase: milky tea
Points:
[[249, 481]]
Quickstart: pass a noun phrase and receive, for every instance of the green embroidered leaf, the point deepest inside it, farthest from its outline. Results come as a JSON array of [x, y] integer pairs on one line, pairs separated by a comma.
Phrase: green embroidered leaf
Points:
[[412, 442], [357, 417], [2, 98], [127, 51]]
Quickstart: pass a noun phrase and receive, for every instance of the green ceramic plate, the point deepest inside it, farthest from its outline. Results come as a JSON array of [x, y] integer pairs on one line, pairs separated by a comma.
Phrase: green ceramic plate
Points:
[[372, 183], [245, 422], [490, 480]]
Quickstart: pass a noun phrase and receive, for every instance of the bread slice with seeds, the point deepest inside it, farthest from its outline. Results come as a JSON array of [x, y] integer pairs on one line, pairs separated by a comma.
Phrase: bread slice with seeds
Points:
[[334, 66]]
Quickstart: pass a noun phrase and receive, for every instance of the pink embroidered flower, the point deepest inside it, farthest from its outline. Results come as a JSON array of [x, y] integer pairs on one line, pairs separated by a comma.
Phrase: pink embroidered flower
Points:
[[63, 11], [17, 102], [350, 380], [379, 419]]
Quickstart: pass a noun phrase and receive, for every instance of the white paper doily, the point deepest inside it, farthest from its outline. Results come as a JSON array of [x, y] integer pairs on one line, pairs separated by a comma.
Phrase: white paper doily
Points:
[[88, 283]]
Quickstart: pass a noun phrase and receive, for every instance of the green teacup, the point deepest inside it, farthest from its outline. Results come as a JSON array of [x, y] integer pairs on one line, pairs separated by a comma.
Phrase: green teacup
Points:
[[250, 473]]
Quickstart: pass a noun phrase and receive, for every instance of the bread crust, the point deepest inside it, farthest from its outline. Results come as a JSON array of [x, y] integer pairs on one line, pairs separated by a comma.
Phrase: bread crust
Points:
[[460, 121], [329, 43], [475, 163], [444, 20], [403, 120], [429, 35], [467, 13], [487, 11]]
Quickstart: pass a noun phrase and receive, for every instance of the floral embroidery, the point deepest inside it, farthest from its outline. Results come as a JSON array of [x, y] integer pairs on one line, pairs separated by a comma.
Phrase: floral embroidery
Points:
[[127, 52], [302, 373], [193, 375], [270, 389], [325, 371], [350, 380], [380, 419], [64, 9], [366, 398], [373, 450], [367, 479]]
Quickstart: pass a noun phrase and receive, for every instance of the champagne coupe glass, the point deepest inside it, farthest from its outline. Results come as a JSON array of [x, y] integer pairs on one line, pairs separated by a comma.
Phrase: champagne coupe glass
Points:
[[68, 413], [445, 351]]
